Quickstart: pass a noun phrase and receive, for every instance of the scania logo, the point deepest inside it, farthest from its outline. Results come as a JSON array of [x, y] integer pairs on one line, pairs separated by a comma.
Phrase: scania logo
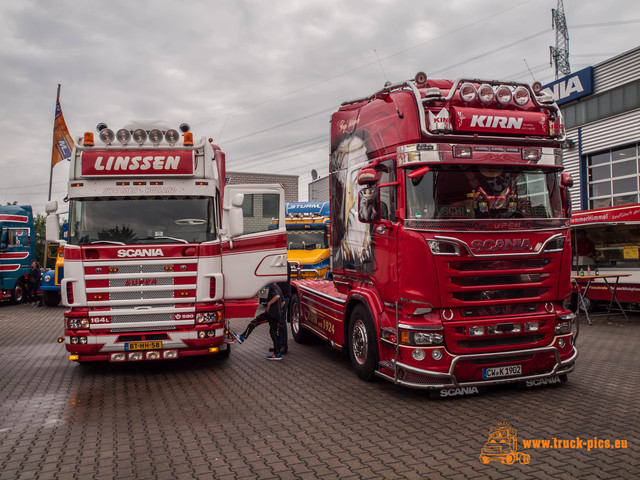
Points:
[[501, 245], [140, 252]]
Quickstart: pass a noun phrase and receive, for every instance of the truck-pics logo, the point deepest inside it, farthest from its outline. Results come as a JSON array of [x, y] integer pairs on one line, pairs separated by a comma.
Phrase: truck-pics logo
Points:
[[140, 252], [502, 446]]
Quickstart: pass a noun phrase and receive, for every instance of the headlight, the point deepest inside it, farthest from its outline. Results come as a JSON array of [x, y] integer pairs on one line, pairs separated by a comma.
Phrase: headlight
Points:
[[476, 331], [410, 337], [47, 278]]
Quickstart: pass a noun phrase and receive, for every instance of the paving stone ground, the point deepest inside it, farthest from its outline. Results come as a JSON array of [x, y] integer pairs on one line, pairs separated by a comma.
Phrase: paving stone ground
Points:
[[307, 416]]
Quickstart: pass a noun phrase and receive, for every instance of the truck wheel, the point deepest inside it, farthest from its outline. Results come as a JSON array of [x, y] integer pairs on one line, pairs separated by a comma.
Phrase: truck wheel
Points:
[[363, 344], [484, 459], [225, 353], [300, 335], [17, 296], [50, 299]]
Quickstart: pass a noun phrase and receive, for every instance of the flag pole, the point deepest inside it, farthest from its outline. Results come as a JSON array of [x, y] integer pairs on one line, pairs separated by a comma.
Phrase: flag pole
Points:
[[54, 139]]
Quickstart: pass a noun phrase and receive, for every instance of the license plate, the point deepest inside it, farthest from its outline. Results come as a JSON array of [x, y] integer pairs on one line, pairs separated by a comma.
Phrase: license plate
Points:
[[495, 372], [143, 346]]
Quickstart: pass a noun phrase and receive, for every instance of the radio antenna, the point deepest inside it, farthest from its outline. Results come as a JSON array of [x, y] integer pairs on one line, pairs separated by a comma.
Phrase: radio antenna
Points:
[[380, 63], [530, 72]]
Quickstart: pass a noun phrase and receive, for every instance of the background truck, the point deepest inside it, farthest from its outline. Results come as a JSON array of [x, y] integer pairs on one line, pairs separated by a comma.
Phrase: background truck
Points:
[[51, 279], [308, 239], [450, 240], [160, 252], [17, 250]]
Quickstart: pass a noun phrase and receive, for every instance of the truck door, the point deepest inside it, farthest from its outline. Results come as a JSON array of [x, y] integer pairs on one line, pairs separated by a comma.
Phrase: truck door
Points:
[[254, 242]]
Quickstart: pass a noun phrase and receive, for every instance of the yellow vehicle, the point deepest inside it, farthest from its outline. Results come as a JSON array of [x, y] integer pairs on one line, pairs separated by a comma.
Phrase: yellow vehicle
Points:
[[308, 239]]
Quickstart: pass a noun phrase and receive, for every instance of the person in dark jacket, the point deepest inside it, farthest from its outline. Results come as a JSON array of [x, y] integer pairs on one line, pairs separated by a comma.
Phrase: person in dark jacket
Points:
[[33, 282], [272, 314], [282, 326]]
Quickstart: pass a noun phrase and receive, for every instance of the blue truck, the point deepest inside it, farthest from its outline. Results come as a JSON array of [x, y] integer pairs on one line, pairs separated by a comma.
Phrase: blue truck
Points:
[[17, 250], [51, 279]]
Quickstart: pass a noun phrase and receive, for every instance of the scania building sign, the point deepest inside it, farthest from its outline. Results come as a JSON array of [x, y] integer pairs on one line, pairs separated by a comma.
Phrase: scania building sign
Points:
[[571, 87]]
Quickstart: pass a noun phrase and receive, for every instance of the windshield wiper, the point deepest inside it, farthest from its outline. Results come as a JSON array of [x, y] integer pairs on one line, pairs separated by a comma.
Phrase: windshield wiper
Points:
[[111, 242], [167, 238]]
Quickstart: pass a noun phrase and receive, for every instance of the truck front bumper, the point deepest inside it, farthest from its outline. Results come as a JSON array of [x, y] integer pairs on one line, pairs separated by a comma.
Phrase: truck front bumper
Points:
[[410, 376]]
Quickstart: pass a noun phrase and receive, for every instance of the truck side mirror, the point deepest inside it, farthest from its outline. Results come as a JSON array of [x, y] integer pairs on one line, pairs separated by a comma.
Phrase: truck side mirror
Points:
[[369, 204], [566, 181], [52, 228], [236, 220]]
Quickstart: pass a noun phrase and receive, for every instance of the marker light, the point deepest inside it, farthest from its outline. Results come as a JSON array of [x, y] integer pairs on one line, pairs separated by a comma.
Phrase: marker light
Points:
[[171, 136], [503, 94], [485, 92], [155, 136], [521, 96], [123, 136], [139, 136], [107, 136], [87, 141], [468, 92]]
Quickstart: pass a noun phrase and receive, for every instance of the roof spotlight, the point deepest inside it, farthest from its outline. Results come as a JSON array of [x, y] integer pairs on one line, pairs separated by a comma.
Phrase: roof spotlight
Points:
[[155, 136], [106, 135], [468, 92], [503, 94], [123, 135], [485, 92], [139, 136], [171, 136]]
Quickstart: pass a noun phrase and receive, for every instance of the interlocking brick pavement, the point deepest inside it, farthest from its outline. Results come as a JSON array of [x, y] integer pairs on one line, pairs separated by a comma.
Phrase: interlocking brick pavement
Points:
[[307, 416]]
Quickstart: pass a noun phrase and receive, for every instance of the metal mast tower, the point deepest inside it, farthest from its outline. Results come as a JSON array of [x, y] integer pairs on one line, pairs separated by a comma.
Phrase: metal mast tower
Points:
[[560, 53]]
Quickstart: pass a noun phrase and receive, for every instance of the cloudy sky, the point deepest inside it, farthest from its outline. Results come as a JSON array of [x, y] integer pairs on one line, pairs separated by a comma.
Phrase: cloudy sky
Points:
[[261, 77]]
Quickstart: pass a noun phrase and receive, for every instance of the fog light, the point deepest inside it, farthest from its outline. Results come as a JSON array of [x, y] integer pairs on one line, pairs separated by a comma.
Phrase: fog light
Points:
[[418, 355], [118, 357], [74, 357], [436, 354], [152, 355], [135, 356], [476, 331], [561, 343], [170, 354], [531, 326], [214, 349]]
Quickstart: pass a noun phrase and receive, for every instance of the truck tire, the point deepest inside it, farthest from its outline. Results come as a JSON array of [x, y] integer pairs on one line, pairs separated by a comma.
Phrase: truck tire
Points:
[[50, 299], [17, 295], [363, 343], [300, 335], [225, 353]]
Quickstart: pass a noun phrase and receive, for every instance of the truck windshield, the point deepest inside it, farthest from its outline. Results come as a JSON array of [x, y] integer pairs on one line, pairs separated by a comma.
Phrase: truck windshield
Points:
[[483, 192], [306, 240], [127, 221]]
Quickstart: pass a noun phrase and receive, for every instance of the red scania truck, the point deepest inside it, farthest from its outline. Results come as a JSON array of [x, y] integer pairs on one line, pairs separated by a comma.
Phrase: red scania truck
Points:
[[450, 238], [160, 252]]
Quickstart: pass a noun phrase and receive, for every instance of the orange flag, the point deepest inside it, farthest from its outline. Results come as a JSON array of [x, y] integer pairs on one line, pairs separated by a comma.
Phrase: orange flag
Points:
[[62, 141]]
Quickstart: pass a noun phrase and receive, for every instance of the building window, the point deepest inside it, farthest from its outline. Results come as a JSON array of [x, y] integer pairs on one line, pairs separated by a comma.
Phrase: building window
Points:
[[613, 177], [615, 101]]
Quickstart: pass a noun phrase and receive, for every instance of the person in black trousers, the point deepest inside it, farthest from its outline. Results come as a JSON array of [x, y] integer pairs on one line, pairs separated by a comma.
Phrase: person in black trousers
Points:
[[272, 314], [282, 326]]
